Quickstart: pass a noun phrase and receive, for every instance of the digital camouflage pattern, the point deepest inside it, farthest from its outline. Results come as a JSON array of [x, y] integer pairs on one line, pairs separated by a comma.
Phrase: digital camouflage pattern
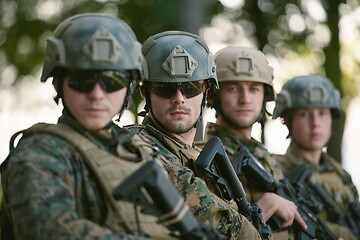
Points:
[[231, 143], [50, 193], [329, 173], [177, 159]]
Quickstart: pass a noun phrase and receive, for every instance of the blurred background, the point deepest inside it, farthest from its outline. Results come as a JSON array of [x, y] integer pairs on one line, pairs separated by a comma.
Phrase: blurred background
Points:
[[298, 37]]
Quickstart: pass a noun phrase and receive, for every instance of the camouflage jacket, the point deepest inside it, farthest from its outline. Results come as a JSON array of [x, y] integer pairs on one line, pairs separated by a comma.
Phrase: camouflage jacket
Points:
[[231, 143], [49, 191], [329, 173], [178, 160]]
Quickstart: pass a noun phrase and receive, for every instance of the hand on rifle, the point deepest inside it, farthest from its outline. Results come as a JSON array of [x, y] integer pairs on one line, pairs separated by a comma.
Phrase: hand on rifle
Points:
[[271, 204]]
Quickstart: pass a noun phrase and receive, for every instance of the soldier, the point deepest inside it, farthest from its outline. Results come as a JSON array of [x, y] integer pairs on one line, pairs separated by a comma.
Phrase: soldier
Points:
[[179, 70], [58, 181], [308, 106], [245, 80]]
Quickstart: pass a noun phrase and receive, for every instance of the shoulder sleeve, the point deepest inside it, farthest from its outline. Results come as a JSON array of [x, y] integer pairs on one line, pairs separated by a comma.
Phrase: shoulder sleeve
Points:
[[41, 182]]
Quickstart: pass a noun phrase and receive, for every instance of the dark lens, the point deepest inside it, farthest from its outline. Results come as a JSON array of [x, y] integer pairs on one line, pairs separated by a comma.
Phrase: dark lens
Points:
[[113, 81], [82, 81], [167, 90], [192, 89], [110, 81], [164, 90]]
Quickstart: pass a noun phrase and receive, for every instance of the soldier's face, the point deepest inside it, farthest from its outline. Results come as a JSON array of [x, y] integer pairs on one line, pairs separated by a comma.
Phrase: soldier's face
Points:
[[94, 110], [176, 113], [311, 128], [241, 102]]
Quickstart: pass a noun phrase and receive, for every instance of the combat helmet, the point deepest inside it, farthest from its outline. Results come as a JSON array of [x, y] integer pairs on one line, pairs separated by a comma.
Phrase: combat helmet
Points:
[[310, 91], [245, 64], [92, 41], [177, 57]]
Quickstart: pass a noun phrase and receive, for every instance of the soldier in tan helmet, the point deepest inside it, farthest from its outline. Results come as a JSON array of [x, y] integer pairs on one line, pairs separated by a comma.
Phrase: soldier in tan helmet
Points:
[[308, 106], [246, 84]]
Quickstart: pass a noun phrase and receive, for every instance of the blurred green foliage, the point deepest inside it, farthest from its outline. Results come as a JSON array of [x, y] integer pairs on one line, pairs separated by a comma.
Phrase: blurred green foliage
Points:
[[25, 25]]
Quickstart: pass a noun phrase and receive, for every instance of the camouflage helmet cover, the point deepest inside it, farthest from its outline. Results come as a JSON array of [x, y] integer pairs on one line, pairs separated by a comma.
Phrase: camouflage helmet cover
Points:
[[311, 91], [177, 56], [244, 64], [92, 41]]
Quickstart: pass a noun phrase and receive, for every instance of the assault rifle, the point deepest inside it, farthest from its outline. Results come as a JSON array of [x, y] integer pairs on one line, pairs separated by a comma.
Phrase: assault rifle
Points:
[[150, 188], [215, 162], [303, 183], [247, 165]]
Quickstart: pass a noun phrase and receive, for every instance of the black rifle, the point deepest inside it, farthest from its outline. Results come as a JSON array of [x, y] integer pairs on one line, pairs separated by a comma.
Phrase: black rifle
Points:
[[215, 162], [303, 183], [150, 188], [247, 165]]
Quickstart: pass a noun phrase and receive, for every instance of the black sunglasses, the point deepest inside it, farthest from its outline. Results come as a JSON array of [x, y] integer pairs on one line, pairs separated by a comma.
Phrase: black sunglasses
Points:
[[167, 90], [85, 80]]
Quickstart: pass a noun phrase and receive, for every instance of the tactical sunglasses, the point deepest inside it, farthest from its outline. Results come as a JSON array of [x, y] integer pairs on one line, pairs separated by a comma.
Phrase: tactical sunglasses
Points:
[[167, 90], [85, 80]]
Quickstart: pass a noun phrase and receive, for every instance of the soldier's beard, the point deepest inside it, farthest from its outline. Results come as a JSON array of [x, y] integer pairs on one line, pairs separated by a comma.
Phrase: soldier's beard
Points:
[[182, 128]]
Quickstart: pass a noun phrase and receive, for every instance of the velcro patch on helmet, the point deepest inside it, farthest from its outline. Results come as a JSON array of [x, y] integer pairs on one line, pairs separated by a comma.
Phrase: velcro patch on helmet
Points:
[[179, 63], [103, 47], [316, 93], [242, 66]]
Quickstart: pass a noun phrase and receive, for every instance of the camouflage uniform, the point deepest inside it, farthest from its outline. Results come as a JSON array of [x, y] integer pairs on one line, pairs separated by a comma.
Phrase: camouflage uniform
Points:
[[177, 157], [241, 64], [336, 181], [312, 92], [50, 192], [231, 144], [58, 181]]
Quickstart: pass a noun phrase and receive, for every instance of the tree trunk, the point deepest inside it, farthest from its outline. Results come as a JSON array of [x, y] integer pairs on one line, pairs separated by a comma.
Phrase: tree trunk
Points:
[[192, 16], [333, 72]]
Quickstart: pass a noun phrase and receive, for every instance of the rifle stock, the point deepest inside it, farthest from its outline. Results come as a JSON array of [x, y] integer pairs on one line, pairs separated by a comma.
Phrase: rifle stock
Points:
[[150, 188], [215, 162], [247, 165]]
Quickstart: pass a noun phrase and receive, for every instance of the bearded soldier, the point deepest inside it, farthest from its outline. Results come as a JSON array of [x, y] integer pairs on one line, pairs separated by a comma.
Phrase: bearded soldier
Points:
[[179, 70]]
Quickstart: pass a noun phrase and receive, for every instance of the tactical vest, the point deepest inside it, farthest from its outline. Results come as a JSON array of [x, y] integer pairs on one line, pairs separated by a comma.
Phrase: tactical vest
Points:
[[338, 184], [109, 172], [252, 194]]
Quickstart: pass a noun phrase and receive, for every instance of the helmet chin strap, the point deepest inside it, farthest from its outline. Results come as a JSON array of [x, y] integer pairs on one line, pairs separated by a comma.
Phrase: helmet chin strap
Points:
[[203, 104], [126, 101]]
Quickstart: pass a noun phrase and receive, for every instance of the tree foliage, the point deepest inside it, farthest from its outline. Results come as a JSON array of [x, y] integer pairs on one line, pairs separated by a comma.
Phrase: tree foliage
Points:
[[277, 27]]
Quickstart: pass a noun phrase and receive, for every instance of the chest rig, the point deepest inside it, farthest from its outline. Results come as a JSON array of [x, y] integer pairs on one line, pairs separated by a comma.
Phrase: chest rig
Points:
[[109, 171]]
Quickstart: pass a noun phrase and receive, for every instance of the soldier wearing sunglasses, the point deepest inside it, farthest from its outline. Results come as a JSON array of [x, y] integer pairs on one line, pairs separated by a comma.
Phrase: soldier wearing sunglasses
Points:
[[58, 181], [179, 70]]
